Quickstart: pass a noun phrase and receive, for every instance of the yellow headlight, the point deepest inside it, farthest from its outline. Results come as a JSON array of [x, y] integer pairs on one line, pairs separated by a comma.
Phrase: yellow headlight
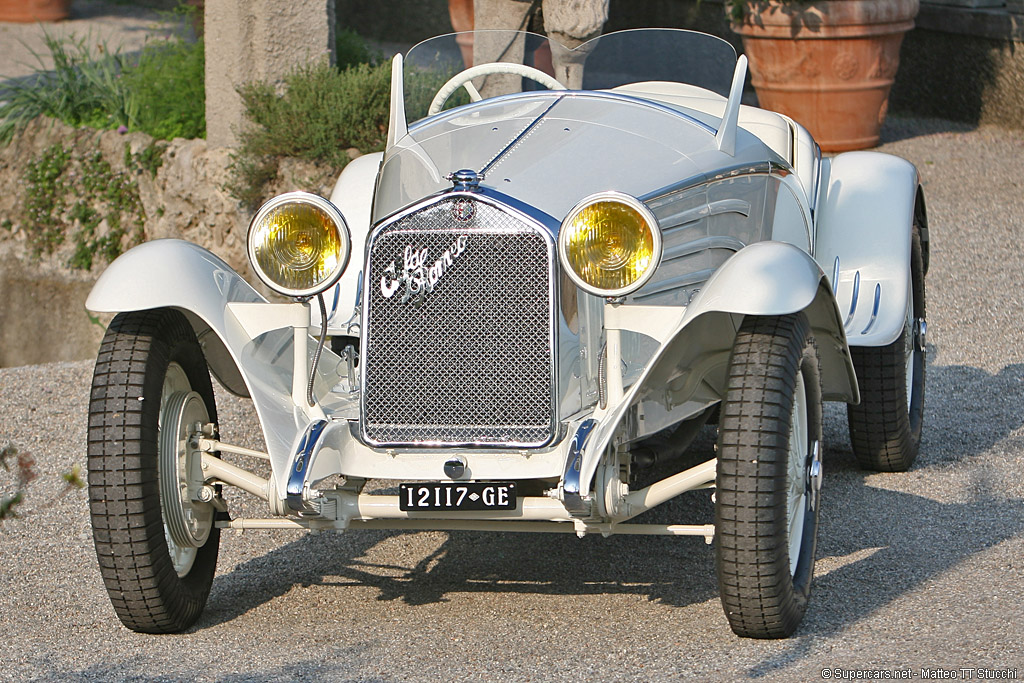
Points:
[[610, 244], [298, 244]]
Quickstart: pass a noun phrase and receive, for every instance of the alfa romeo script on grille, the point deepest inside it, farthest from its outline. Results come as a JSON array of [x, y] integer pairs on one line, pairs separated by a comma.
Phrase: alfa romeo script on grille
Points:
[[419, 276], [457, 496]]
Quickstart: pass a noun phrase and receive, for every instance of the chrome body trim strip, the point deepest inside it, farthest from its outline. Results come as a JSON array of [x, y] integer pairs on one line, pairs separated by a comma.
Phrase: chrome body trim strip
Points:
[[727, 173], [518, 138], [874, 308], [302, 462], [696, 246], [697, 213], [853, 299], [572, 497], [815, 181]]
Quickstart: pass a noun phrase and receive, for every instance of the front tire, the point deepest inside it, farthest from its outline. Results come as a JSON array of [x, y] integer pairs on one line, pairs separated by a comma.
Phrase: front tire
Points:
[[885, 427], [769, 477], [156, 544]]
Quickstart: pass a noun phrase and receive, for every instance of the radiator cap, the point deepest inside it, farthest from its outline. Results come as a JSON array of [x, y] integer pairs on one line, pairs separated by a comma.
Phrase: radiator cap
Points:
[[466, 180]]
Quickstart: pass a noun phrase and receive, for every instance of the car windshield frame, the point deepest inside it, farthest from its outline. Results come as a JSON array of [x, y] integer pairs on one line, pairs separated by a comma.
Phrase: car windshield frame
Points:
[[602, 63]]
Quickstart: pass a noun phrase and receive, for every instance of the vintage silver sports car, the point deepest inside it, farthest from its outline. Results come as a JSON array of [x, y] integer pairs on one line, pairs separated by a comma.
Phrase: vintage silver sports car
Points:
[[562, 267]]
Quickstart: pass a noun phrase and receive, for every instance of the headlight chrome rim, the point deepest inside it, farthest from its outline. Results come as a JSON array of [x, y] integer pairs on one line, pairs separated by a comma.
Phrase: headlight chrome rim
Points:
[[331, 213], [648, 217]]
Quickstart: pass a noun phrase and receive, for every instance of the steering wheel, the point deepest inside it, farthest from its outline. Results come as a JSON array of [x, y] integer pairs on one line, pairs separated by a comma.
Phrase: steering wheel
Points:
[[466, 77]]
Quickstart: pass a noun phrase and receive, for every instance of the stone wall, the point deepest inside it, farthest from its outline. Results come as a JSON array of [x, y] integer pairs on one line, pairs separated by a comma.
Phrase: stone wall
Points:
[[42, 301]]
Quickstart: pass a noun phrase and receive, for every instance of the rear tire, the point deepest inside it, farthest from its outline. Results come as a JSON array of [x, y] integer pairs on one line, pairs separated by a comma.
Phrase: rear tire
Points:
[[885, 427], [769, 477], [150, 377]]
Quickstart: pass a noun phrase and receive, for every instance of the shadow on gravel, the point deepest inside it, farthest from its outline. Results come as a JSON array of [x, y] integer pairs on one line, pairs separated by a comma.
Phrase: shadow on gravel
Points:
[[896, 542], [908, 540], [888, 543], [969, 411], [479, 562]]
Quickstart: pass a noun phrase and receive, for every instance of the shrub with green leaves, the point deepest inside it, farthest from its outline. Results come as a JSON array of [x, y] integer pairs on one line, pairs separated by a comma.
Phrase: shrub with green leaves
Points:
[[72, 195], [82, 89], [351, 50], [168, 91], [161, 92], [320, 115]]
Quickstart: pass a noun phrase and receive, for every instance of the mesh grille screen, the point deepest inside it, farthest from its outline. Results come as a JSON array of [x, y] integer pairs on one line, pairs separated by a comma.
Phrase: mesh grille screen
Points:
[[458, 351]]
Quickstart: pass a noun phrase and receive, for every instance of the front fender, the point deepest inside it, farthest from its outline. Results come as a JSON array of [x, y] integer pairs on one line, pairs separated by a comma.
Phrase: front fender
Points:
[[775, 278], [688, 372], [172, 273], [863, 241], [248, 342]]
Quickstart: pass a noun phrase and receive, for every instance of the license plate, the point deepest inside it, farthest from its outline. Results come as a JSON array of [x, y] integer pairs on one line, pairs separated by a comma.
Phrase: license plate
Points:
[[450, 496]]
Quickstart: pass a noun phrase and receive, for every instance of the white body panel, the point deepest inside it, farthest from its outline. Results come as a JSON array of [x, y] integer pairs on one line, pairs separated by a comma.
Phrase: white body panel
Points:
[[250, 352], [766, 278], [864, 215], [353, 195]]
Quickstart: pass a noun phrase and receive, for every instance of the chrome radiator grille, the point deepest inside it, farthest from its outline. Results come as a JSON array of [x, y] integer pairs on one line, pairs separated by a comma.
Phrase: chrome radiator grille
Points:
[[458, 339]]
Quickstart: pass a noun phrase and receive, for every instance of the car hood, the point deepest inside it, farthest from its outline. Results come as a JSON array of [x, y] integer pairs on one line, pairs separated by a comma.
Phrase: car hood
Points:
[[550, 150]]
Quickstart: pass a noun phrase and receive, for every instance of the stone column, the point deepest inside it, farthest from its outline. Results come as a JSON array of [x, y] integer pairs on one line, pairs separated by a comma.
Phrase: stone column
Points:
[[570, 23], [257, 40]]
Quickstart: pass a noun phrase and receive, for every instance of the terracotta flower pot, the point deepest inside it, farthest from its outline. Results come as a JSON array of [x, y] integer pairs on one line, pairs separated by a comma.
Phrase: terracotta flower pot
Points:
[[827, 64], [26, 11]]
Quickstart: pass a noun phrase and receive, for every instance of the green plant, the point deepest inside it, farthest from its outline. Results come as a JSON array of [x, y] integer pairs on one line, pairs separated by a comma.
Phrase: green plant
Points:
[[351, 50], [160, 93], [149, 159], [322, 113], [167, 87], [44, 199], [100, 195], [94, 319], [118, 195], [25, 472], [800, 12], [250, 174], [82, 89]]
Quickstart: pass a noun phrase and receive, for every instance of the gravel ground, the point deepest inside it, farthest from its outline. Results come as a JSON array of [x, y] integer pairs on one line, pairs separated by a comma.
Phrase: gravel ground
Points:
[[917, 570]]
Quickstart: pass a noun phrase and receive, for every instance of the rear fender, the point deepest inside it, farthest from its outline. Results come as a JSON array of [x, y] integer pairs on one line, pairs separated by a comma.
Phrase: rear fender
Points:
[[863, 227], [688, 372]]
